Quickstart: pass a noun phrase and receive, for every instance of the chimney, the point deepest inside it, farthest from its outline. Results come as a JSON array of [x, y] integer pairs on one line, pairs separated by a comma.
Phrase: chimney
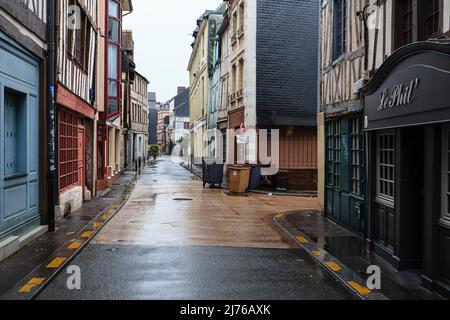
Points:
[[180, 89]]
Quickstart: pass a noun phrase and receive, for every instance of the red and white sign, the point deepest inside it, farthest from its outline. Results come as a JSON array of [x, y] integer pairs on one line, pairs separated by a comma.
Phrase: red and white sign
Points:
[[242, 128]]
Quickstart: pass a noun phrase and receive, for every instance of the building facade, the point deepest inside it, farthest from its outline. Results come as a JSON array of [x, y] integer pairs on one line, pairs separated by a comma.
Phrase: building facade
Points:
[[199, 87], [214, 69], [23, 98], [164, 114], [265, 55], [110, 126], [75, 98], [384, 122], [224, 38], [152, 118], [341, 143], [138, 133], [406, 118], [181, 125]]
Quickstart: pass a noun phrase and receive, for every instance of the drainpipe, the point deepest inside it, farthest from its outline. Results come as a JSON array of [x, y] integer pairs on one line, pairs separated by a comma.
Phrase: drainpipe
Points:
[[52, 159]]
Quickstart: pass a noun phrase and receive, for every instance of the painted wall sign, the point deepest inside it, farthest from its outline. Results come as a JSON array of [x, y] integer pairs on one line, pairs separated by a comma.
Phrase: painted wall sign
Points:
[[410, 88], [399, 95]]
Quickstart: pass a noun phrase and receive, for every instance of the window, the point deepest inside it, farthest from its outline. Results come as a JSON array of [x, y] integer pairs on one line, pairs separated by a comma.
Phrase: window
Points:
[[78, 39], [417, 20], [334, 153], [340, 28], [431, 18], [15, 121], [357, 152], [386, 166], [114, 57], [68, 149], [406, 21], [446, 176]]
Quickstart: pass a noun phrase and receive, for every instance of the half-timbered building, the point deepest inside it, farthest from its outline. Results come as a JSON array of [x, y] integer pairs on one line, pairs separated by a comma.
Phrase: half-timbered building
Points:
[[23, 48], [110, 130], [76, 26], [341, 144]]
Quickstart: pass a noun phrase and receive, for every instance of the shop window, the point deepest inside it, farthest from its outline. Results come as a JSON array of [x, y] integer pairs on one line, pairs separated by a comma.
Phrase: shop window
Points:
[[15, 124], [334, 153], [446, 176], [386, 166], [339, 28], [357, 152], [68, 149]]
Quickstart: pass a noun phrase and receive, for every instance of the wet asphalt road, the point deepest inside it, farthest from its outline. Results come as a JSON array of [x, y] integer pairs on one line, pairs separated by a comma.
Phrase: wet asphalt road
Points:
[[182, 261]]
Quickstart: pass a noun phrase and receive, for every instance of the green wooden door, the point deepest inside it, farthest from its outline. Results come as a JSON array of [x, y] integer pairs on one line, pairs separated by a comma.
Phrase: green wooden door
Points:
[[345, 183]]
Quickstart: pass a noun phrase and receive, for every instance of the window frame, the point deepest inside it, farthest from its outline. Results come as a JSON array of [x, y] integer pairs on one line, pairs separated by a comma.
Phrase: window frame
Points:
[[357, 149], [380, 194], [418, 22], [445, 169], [118, 44], [340, 28], [81, 59], [334, 157]]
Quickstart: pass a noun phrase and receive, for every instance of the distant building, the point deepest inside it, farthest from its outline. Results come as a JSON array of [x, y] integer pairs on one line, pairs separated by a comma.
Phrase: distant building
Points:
[[181, 122], [152, 118], [162, 124]]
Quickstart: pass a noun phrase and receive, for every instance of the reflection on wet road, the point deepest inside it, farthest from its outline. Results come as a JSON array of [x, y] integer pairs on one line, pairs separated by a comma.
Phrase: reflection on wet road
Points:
[[175, 240]]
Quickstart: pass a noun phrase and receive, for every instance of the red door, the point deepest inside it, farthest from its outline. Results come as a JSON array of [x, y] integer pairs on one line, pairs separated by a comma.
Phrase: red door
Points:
[[81, 156]]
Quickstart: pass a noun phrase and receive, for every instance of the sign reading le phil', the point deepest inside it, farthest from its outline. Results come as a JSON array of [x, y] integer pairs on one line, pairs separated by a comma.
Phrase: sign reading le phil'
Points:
[[411, 88], [399, 96]]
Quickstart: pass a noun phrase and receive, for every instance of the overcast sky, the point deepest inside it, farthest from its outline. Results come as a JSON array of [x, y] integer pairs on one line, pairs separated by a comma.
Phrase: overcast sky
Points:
[[162, 33]]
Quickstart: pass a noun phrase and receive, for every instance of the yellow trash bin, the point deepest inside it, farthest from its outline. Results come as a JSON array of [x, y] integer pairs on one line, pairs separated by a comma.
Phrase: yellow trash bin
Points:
[[238, 178]]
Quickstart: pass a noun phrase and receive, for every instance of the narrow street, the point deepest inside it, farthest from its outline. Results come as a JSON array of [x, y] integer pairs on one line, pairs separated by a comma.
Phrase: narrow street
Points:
[[175, 240]]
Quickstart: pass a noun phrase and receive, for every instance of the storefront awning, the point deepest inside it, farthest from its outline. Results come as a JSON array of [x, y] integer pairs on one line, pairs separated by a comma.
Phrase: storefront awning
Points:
[[412, 87]]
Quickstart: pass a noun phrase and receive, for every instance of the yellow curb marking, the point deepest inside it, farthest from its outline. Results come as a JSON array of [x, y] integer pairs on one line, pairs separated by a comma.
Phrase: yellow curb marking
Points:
[[36, 281], [104, 217], [98, 224], [302, 239], [333, 266], [31, 284], [87, 234], [279, 216], [316, 253], [56, 263], [361, 289], [74, 245], [27, 288]]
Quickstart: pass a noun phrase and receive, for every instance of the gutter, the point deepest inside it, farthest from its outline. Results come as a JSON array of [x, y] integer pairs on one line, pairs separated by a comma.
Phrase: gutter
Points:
[[52, 141]]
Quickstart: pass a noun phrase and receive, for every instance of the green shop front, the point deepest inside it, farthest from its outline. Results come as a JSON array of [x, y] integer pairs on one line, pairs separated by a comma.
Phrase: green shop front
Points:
[[345, 172]]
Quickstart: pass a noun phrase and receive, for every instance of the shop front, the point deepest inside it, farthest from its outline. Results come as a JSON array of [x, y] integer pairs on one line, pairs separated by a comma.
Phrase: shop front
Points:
[[407, 120]]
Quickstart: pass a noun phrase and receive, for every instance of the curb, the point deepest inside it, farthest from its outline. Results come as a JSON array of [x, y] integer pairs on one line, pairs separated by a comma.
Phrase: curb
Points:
[[285, 194], [33, 284], [349, 279]]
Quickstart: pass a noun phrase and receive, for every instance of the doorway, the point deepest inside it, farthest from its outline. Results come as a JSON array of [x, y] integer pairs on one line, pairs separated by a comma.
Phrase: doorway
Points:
[[398, 197]]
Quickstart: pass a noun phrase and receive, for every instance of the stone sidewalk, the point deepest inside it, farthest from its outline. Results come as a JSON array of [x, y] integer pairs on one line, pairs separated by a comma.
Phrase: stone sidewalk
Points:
[[23, 262], [344, 254]]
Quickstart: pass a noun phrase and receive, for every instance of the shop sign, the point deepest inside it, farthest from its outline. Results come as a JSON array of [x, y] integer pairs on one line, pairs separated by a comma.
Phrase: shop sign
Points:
[[399, 95]]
